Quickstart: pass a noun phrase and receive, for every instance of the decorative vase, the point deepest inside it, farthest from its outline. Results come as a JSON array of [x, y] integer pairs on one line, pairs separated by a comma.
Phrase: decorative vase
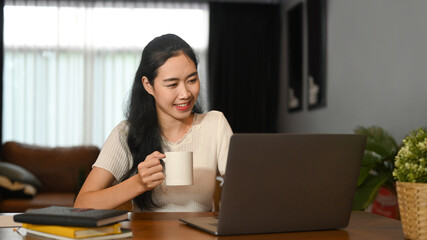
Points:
[[412, 200]]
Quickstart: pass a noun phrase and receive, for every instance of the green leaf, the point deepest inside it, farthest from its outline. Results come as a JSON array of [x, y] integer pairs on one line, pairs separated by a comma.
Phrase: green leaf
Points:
[[366, 193], [371, 159], [378, 140], [364, 172], [369, 162], [377, 165]]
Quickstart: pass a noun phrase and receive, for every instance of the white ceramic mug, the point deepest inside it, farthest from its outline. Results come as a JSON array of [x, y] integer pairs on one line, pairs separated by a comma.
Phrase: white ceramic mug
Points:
[[178, 168]]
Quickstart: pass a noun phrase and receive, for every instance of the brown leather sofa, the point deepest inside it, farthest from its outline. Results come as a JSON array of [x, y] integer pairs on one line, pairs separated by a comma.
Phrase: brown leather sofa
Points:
[[56, 174]]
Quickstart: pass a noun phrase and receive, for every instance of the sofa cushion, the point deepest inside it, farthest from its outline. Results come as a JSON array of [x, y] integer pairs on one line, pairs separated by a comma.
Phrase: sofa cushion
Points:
[[15, 189], [16, 173], [17, 182], [59, 169]]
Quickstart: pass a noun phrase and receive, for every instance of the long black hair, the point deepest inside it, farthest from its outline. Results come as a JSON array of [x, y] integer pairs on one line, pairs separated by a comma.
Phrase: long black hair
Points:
[[144, 135]]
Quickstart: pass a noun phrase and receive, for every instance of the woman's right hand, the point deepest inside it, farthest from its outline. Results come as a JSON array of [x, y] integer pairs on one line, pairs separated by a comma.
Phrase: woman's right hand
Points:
[[151, 171]]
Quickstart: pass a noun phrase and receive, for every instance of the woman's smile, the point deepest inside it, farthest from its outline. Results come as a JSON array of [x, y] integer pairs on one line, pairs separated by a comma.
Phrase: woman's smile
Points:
[[183, 106]]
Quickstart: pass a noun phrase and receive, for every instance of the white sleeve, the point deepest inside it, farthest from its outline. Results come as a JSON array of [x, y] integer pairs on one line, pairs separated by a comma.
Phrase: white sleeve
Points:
[[223, 135], [115, 155]]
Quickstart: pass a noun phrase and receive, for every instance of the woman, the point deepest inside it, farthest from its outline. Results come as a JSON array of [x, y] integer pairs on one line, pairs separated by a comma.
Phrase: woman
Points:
[[162, 116]]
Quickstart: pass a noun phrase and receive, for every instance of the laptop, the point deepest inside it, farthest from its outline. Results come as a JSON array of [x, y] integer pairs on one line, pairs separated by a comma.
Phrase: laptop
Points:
[[286, 183]]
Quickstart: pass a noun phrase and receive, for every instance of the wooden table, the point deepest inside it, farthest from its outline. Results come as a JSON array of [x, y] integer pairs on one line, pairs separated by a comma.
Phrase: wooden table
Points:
[[148, 226]]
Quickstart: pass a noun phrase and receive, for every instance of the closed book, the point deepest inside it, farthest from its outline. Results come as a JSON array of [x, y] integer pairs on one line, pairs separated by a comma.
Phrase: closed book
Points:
[[126, 233], [74, 232], [68, 216]]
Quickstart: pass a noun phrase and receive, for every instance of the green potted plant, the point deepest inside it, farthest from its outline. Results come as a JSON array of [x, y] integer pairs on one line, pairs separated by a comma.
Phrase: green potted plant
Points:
[[377, 166], [411, 174]]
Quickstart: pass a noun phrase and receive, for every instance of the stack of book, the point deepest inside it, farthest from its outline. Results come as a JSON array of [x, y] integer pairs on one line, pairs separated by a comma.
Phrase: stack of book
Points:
[[74, 223]]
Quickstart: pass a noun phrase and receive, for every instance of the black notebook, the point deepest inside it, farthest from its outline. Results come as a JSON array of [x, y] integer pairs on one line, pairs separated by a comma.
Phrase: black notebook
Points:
[[68, 216]]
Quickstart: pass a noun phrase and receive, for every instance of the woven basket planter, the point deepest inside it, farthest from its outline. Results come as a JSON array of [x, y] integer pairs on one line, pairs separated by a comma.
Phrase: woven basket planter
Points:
[[412, 198]]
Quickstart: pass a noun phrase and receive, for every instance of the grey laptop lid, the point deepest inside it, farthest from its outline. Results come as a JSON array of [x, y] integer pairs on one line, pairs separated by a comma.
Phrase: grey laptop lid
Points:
[[288, 182]]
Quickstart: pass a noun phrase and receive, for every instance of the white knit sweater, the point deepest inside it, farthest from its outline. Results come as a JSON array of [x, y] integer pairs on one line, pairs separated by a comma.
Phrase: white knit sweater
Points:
[[208, 139]]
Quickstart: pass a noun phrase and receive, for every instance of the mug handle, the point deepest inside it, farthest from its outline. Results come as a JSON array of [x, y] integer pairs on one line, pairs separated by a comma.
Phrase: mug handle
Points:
[[162, 162]]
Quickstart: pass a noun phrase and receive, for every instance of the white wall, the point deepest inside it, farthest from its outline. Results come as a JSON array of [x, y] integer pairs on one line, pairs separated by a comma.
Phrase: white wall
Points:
[[376, 69]]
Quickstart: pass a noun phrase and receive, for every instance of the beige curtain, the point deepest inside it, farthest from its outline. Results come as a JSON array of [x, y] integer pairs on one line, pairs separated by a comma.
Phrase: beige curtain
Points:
[[68, 67]]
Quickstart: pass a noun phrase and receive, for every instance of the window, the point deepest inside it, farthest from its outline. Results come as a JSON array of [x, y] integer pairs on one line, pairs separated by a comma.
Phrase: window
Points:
[[68, 68]]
